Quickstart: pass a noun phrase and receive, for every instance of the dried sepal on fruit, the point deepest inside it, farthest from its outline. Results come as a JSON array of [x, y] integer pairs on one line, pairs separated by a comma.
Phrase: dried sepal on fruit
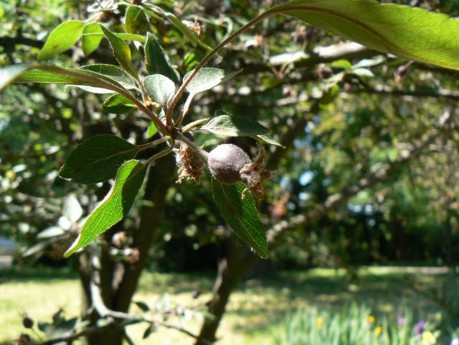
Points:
[[253, 174]]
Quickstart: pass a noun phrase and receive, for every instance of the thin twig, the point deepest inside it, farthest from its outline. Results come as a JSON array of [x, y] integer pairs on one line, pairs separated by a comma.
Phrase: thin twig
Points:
[[201, 153], [74, 336], [209, 56], [183, 330], [128, 338], [160, 154]]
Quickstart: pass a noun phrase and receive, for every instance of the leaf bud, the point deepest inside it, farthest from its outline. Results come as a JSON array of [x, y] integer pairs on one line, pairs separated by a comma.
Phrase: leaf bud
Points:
[[27, 322]]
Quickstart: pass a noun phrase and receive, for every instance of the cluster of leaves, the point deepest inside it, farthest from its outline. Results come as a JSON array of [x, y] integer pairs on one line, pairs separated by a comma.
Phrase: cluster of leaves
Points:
[[390, 28]]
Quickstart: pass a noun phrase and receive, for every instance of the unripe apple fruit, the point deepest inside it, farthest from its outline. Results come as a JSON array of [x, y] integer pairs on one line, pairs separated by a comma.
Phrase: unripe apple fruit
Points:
[[225, 163]]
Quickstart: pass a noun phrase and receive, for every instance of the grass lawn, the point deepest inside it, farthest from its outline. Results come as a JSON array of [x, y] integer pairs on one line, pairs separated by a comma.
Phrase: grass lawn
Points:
[[256, 311]]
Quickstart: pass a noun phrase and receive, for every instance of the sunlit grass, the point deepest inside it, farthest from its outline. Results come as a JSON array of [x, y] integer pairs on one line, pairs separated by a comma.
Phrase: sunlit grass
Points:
[[256, 313]]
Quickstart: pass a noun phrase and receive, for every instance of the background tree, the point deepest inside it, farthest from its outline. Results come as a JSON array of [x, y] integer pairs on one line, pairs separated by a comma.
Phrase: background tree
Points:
[[358, 152]]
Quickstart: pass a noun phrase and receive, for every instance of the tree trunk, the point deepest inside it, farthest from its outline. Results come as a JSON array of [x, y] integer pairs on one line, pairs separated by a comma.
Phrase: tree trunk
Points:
[[231, 269], [118, 281]]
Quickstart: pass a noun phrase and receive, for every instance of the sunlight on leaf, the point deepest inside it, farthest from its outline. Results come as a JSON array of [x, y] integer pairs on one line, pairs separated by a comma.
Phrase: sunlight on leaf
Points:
[[234, 126], [114, 207], [241, 214], [205, 79], [407, 32], [160, 88], [92, 36], [62, 38], [117, 104], [121, 51]]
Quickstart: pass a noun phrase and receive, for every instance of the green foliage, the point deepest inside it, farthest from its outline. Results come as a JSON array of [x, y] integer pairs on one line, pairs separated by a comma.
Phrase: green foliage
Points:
[[72, 76], [97, 159], [237, 206], [400, 30], [157, 61], [121, 51], [92, 36], [62, 38], [407, 32], [117, 104], [160, 88], [114, 207], [205, 79], [113, 72], [234, 126], [186, 31], [136, 20], [11, 73]]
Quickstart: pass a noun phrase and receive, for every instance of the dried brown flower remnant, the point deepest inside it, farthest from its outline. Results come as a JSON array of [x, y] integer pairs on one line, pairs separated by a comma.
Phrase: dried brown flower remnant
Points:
[[197, 27], [190, 164]]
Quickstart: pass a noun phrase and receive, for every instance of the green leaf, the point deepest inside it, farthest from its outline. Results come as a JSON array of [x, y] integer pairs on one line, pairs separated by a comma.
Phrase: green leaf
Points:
[[114, 207], [50, 77], [136, 20], [142, 306], [234, 126], [149, 331], [160, 88], [268, 140], [10, 73], [92, 36], [117, 104], [152, 130], [190, 61], [40, 73], [157, 60], [121, 51], [131, 37], [241, 214], [113, 72], [62, 38], [344, 64], [407, 32], [205, 79], [106, 77], [97, 159]]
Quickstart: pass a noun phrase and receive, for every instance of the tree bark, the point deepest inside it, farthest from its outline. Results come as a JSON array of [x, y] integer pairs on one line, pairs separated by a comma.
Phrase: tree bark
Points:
[[160, 178], [117, 292], [231, 269]]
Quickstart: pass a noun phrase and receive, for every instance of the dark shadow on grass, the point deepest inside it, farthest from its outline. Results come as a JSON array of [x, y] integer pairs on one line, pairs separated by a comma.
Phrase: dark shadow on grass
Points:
[[26, 273], [176, 283]]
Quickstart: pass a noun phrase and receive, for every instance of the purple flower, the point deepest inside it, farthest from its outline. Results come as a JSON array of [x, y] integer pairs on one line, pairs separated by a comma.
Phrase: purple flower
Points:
[[455, 341], [401, 320], [420, 326]]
